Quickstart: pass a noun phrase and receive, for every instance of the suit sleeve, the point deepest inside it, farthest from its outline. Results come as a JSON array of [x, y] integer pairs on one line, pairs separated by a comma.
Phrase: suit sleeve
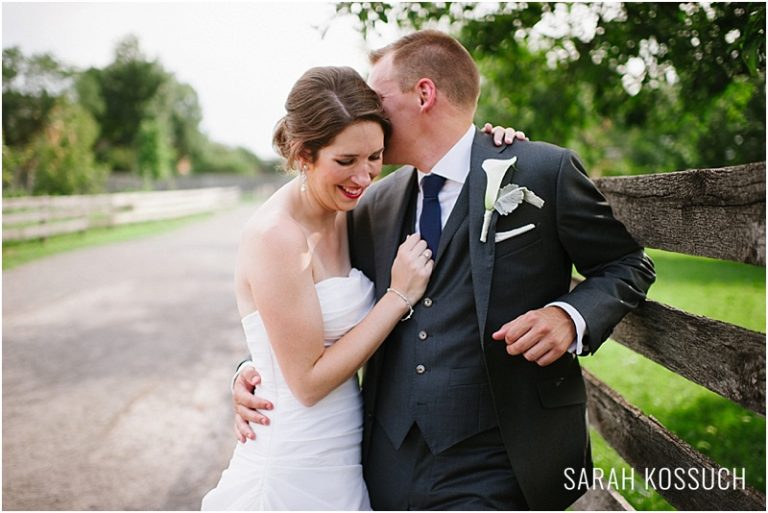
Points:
[[617, 270]]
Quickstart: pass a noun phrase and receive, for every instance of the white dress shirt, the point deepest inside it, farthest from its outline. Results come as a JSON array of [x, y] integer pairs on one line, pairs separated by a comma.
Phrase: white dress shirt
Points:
[[454, 167]]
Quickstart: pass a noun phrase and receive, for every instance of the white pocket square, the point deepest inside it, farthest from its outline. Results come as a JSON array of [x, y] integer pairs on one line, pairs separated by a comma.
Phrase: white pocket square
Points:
[[500, 236]]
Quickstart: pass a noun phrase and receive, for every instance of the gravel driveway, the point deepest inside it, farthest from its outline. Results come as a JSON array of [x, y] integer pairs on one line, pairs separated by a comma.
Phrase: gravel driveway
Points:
[[116, 367]]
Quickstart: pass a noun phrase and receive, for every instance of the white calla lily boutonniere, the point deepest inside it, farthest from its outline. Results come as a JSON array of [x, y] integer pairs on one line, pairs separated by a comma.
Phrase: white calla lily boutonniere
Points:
[[503, 200]]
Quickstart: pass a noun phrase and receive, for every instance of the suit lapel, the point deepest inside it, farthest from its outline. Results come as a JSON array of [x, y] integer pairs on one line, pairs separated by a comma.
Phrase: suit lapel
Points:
[[481, 254], [392, 204]]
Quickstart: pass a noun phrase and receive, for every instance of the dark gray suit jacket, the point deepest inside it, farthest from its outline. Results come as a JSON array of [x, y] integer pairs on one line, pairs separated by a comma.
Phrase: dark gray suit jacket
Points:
[[540, 410]]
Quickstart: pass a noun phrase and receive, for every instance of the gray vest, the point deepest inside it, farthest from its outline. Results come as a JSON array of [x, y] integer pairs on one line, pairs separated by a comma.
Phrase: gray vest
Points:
[[433, 372]]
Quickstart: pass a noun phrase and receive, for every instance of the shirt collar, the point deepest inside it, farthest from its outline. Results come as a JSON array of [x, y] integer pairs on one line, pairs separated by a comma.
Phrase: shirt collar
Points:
[[455, 164]]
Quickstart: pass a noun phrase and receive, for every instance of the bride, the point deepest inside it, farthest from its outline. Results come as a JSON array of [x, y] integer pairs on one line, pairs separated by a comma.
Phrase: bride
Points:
[[309, 318]]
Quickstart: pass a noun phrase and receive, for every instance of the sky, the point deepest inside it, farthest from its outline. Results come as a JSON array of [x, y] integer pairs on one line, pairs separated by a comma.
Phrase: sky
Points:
[[241, 57]]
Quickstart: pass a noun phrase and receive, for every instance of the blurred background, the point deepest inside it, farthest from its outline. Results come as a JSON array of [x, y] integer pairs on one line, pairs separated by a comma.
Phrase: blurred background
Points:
[[136, 140]]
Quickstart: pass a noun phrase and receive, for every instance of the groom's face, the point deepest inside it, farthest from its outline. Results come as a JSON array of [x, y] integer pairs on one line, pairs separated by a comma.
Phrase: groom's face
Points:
[[401, 108]]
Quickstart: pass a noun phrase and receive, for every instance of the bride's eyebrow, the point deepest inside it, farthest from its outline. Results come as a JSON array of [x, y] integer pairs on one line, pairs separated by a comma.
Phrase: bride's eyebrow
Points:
[[348, 155]]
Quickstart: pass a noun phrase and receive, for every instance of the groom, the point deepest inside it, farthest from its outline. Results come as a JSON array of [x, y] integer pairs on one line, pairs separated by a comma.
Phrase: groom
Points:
[[477, 401]]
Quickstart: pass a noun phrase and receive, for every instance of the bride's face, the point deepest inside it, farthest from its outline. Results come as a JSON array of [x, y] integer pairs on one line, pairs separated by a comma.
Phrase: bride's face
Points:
[[347, 166]]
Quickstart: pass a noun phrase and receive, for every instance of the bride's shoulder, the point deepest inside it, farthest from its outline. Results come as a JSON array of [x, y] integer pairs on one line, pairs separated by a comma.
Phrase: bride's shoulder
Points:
[[274, 232]]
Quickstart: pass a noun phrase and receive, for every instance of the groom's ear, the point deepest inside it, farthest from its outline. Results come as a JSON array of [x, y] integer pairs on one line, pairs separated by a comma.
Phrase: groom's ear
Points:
[[427, 93]]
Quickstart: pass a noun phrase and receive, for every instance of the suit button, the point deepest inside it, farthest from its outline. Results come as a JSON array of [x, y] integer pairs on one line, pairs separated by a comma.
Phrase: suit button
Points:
[[423, 335], [427, 302], [420, 369]]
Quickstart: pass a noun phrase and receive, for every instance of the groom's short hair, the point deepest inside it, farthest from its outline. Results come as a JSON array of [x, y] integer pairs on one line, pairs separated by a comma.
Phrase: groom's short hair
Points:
[[441, 58]]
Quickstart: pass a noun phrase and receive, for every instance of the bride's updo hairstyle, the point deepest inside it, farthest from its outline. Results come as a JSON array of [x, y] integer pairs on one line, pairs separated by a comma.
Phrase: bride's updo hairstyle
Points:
[[322, 103]]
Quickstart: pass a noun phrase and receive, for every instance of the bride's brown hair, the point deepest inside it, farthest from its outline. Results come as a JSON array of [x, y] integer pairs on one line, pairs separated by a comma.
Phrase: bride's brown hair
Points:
[[322, 103]]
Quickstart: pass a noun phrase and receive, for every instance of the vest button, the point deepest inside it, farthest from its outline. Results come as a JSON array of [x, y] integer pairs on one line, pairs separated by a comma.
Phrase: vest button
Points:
[[427, 302], [423, 335], [420, 369]]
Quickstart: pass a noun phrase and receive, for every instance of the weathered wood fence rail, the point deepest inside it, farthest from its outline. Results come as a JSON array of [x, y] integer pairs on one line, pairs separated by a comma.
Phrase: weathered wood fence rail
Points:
[[39, 217], [718, 213]]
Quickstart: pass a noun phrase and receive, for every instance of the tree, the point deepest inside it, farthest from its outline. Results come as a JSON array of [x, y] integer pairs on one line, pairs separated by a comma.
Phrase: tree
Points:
[[154, 154], [62, 153], [47, 138], [31, 86], [634, 87], [178, 102], [127, 87], [220, 158], [62, 127], [147, 117]]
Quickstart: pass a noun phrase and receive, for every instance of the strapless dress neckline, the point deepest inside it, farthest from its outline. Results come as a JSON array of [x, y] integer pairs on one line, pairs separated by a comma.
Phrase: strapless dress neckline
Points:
[[354, 274]]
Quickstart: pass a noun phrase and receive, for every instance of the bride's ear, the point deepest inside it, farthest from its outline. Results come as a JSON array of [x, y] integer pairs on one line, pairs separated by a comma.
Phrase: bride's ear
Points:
[[305, 161]]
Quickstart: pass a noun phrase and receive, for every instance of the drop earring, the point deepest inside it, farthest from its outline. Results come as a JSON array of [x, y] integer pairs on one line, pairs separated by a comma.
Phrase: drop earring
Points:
[[303, 178]]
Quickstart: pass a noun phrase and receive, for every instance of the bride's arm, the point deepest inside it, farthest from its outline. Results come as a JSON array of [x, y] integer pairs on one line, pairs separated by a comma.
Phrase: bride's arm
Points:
[[280, 278]]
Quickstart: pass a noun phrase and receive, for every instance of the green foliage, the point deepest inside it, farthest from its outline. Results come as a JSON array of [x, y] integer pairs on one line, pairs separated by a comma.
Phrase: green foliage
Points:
[[31, 86], [127, 88], [62, 129], [181, 103], [88, 91], [119, 158], [634, 87], [154, 155], [65, 163], [219, 158], [12, 169], [47, 139]]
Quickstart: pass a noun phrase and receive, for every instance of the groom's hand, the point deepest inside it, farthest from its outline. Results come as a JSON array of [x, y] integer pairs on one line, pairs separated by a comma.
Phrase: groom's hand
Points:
[[247, 405], [541, 336]]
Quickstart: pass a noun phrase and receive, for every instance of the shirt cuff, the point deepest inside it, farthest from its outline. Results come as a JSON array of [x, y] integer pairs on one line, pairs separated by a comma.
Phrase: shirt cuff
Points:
[[577, 347], [243, 365]]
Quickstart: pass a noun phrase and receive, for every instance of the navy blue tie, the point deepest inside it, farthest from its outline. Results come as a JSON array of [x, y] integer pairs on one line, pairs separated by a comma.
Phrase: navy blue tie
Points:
[[430, 224]]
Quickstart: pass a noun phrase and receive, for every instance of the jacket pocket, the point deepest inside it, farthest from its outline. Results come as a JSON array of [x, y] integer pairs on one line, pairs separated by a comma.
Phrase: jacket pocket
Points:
[[562, 391], [517, 244]]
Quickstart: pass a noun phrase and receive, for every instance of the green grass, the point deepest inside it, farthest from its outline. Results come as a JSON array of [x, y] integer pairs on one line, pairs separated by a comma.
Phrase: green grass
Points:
[[20, 252], [727, 291], [729, 434], [606, 458]]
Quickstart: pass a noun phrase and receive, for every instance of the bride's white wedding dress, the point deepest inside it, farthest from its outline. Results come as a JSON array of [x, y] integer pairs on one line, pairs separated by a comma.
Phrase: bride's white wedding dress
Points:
[[306, 458]]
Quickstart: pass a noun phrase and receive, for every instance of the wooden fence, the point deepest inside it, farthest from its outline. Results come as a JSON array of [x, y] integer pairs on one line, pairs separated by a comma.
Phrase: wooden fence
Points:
[[718, 213], [39, 217]]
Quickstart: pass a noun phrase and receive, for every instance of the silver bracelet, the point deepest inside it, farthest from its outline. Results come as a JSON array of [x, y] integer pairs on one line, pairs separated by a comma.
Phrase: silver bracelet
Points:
[[406, 302]]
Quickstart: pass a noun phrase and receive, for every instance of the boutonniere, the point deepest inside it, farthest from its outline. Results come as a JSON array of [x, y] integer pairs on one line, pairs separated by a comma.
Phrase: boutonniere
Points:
[[503, 200]]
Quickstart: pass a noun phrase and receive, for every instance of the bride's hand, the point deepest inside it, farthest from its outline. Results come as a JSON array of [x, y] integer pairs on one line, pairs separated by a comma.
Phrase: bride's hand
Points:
[[507, 134], [412, 268]]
